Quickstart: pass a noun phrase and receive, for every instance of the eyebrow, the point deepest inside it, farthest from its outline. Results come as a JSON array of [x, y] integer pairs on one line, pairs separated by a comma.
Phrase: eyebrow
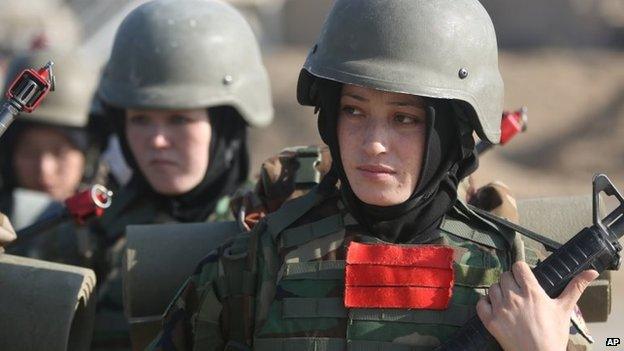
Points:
[[408, 104], [394, 103], [355, 96]]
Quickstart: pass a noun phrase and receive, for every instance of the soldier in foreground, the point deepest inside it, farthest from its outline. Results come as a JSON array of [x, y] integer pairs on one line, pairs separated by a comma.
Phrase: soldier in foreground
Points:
[[183, 83], [400, 87]]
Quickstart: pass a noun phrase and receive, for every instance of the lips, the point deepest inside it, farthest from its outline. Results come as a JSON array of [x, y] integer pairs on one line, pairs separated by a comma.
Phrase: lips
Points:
[[377, 169], [162, 162]]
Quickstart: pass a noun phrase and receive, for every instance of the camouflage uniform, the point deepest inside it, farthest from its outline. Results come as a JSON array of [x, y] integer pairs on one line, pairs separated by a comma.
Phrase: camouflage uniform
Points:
[[281, 287]]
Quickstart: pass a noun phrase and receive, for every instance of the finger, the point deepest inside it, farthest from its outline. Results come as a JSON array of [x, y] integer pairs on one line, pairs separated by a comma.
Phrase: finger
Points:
[[575, 288], [508, 285], [7, 233], [496, 296], [484, 310], [524, 276]]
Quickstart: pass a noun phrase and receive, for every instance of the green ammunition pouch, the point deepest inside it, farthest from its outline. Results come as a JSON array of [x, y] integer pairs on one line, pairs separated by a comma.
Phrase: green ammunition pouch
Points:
[[45, 306]]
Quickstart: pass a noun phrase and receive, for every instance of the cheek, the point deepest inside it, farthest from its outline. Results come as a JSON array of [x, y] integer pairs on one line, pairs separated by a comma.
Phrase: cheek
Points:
[[73, 165], [136, 140], [346, 142], [196, 148], [25, 170], [411, 154]]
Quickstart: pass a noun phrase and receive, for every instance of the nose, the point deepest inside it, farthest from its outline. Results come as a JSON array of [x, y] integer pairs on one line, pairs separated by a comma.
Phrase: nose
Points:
[[375, 139], [160, 139], [47, 167]]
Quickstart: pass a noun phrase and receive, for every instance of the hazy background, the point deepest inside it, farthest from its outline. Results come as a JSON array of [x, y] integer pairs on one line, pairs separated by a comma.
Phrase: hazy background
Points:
[[563, 59]]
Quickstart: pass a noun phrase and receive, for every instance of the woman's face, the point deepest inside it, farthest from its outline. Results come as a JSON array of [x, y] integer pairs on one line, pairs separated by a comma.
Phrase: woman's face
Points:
[[382, 141], [171, 147], [45, 160]]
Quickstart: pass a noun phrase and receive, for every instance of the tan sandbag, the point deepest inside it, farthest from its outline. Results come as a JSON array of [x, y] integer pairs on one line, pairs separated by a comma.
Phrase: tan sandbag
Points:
[[157, 261], [560, 218], [45, 306]]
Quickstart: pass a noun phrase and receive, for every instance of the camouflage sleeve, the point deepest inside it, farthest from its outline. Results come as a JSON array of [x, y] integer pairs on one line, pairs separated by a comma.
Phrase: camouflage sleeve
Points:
[[192, 320]]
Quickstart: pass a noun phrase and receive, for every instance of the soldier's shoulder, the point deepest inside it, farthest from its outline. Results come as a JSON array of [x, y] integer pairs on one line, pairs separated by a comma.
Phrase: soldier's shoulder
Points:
[[462, 226]]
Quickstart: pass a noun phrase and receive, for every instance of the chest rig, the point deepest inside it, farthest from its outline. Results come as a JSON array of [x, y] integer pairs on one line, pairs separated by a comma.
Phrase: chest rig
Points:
[[298, 283]]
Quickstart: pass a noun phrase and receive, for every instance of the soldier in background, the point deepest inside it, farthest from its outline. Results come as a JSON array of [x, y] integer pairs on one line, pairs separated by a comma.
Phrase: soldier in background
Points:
[[400, 87], [183, 83], [46, 156], [35, 25]]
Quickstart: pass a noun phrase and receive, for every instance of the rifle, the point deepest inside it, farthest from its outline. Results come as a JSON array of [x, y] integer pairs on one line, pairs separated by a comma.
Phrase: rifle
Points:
[[596, 247]]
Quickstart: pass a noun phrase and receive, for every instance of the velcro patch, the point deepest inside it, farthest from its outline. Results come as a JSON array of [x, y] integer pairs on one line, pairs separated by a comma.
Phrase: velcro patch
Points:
[[396, 276]]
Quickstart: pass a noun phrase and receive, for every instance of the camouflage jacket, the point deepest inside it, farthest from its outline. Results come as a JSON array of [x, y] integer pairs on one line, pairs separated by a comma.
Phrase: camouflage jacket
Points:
[[281, 286]]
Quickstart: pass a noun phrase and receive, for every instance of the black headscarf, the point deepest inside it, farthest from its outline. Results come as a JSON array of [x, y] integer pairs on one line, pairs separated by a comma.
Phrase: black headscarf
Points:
[[227, 169], [449, 156]]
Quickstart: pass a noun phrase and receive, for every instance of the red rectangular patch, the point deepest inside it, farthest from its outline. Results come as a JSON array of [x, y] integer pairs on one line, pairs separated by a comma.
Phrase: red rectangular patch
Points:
[[395, 276]]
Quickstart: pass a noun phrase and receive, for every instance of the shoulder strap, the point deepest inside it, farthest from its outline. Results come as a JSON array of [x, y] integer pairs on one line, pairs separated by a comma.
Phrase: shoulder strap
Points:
[[291, 211], [550, 244], [122, 213], [460, 229]]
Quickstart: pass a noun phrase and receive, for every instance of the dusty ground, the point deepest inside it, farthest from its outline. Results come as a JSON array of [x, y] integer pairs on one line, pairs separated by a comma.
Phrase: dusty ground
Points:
[[576, 128]]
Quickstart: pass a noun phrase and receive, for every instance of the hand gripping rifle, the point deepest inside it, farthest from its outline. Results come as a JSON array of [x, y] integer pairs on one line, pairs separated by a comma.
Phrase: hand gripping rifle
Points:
[[596, 247], [26, 93], [78, 208]]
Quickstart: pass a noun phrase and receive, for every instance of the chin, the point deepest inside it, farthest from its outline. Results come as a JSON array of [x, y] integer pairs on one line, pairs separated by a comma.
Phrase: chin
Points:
[[170, 189], [380, 198]]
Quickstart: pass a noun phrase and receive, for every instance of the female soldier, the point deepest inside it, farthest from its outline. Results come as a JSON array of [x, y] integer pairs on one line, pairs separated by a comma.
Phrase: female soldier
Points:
[[48, 151], [183, 82], [400, 87]]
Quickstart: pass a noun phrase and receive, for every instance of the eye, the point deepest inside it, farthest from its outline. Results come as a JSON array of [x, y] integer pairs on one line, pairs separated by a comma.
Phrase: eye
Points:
[[180, 120], [138, 120], [351, 111], [408, 119]]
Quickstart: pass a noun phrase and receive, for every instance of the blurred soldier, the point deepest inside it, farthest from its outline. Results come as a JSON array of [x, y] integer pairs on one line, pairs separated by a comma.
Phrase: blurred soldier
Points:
[[46, 155], [400, 86], [183, 83]]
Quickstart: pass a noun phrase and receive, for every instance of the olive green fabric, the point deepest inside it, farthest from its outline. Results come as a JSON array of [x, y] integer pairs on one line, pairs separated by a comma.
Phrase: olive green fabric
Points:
[[44, 305], [170, 54], [76, 79], [441, 49], [296, 300], [156, 262]]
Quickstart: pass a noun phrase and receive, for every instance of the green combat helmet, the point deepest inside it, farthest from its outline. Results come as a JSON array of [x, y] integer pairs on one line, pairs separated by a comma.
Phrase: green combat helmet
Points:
[[182, 55], [76, 80], [440, 49]]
